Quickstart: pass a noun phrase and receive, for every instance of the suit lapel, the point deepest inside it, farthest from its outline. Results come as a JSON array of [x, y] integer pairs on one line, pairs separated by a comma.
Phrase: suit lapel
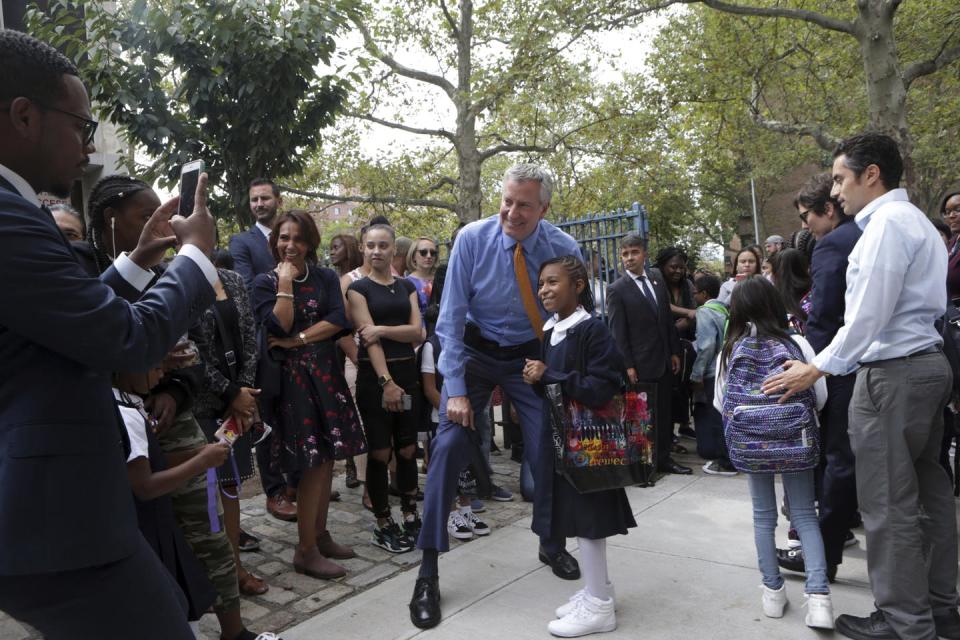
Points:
[[639, 299]]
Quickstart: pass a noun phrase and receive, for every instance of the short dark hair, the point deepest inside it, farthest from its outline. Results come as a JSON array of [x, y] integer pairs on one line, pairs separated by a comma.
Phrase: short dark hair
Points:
[[633, 240], [942, 228], [256, 182], [31, 69], [383, 227], [815, 194], [222, 259], [708, 283], [379, 219], [308, 229], [864, 149]]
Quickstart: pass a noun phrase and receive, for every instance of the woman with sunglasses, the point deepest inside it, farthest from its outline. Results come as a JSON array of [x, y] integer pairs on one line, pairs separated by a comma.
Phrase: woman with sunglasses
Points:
[[422, 263]]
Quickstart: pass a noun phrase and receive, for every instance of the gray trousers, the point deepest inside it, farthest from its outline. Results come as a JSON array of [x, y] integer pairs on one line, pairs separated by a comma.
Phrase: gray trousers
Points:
[[905, 496]]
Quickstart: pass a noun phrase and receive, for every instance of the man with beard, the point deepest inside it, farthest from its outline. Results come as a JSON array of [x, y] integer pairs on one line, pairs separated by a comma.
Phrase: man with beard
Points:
[[252, 256]]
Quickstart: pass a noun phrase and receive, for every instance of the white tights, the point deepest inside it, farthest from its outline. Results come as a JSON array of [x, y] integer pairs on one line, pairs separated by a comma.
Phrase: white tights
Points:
[[593, 562]]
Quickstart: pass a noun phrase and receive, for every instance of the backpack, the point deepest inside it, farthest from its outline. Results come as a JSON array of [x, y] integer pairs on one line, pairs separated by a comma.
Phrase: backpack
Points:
[[763, 436]]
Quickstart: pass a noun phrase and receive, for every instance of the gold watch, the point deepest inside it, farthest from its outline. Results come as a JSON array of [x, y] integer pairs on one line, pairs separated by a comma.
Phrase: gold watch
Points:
[[303, 337]]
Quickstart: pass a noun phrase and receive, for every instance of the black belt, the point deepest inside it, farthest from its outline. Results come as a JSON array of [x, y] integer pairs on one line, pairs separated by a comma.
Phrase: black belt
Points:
[[926, 351], [473, 339]]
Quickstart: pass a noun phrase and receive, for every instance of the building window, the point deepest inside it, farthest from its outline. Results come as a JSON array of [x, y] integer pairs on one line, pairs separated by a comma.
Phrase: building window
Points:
[[336, 212]]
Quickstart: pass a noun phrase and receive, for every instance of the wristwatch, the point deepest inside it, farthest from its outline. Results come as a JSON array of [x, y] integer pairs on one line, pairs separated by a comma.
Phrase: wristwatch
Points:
[[303, 337], [383, 380]]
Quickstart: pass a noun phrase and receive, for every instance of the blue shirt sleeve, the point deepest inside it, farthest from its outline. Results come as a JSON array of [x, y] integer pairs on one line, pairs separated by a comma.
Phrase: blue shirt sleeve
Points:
[[453, 315]]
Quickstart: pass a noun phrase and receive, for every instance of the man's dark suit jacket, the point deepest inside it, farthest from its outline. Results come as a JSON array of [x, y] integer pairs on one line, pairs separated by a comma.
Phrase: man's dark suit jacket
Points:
[[647, 339], [251, 255], [828, 272], [65, 502]]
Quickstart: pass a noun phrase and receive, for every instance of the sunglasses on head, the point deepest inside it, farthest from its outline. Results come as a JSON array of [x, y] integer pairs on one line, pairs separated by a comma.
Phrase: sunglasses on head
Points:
[[427, 252]]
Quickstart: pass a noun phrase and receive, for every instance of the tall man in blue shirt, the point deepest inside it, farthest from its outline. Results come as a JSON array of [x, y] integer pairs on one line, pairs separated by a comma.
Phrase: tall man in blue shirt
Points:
[[894, 294], [489, 323]]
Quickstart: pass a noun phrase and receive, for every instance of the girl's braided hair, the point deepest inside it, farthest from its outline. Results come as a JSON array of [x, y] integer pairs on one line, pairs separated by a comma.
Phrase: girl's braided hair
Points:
[[111, 191], [576, 270]]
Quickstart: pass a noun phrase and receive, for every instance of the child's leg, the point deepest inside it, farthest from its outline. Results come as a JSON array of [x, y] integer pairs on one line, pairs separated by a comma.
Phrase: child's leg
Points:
[[803, 516], [593, 563], [764, 525]]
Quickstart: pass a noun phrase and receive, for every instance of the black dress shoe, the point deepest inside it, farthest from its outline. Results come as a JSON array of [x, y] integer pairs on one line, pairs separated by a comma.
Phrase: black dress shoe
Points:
[[673, 467], [874, 627], [563, 564], [948, 625], [792, 560], [425, 604]]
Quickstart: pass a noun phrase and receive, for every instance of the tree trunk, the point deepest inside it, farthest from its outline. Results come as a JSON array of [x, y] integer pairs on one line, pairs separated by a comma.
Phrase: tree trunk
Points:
[[886, 91], [468, 156]]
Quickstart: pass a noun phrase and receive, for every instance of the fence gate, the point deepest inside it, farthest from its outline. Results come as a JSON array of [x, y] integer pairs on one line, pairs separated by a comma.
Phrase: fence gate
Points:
[[599, 236]]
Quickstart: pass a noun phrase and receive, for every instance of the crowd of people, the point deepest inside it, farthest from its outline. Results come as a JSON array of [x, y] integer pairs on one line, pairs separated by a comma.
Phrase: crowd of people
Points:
[[829, 362]]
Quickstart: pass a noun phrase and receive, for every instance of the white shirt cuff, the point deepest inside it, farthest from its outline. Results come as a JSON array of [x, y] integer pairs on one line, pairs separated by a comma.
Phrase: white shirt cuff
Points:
[[209, 271], [130, 271], [828, 363]]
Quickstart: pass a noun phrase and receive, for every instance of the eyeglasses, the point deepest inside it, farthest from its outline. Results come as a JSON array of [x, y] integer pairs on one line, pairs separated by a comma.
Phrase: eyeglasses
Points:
[[427, 252], [89, 126]]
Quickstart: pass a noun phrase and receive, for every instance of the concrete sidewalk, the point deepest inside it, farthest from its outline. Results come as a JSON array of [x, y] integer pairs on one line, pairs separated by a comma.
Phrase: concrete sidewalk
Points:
[[687, 571]]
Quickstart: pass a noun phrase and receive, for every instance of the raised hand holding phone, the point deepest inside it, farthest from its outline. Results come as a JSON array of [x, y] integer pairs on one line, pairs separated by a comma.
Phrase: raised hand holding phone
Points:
[[199, 228]]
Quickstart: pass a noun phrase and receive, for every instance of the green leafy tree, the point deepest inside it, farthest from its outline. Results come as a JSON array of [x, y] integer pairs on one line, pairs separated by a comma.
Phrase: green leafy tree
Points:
[[235, 83]]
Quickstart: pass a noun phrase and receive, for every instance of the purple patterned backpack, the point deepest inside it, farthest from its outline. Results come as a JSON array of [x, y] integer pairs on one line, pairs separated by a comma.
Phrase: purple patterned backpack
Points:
[[763, 436]]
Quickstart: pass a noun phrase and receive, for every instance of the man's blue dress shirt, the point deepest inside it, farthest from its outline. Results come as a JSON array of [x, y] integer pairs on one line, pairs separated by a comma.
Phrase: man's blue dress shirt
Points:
[[481, 288]]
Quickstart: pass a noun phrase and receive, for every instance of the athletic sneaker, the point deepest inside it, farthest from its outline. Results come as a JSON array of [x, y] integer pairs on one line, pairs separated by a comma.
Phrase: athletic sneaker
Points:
[[850, 540], [589, 615], [391, 538], [774, 601], [717, 468], [411, 526], [819, 611], [478, 526], [477, 506], [501, 495], [457, 526], [793, 539]]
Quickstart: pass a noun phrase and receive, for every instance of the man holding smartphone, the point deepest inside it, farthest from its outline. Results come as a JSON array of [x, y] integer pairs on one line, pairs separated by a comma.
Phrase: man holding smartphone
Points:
[[78, 568]]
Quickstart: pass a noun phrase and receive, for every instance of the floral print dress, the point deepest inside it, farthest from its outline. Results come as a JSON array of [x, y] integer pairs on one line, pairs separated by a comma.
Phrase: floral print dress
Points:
[[317, 420]]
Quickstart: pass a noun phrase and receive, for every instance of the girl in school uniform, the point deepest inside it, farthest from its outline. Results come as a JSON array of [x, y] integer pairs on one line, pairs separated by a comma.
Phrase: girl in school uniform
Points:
[[580, 355]]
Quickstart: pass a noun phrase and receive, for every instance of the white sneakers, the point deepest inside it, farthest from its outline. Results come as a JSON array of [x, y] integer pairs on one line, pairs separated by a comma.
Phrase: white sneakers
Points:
[[587, 615], [774, 601], [819, 611], [568, 606], [819, 607]]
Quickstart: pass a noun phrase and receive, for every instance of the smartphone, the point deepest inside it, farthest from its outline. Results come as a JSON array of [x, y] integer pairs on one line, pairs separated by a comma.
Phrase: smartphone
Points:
[[406, 399], [228, 432], [189, 176]]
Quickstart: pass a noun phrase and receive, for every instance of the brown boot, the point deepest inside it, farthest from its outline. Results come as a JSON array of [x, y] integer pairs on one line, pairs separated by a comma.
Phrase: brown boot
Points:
[[313, 564], [282, 509], [332, 549]]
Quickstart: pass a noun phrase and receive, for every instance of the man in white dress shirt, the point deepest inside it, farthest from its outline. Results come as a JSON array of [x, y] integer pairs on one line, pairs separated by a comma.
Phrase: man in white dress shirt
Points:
[[895, 292]]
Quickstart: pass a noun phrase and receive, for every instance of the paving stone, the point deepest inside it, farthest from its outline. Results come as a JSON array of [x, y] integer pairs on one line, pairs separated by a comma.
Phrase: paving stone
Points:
[[321, 599], [251, 558], [250, 610], [274, 622], [355, 565], [303, 585], [285, 555], [370, 552], [272, 568], [341, 515], [279, 595], [407, 559], [378, 572]]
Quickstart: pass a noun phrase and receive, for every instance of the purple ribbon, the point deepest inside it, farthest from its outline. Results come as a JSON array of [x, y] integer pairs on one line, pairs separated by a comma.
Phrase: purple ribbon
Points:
[[212, 485]]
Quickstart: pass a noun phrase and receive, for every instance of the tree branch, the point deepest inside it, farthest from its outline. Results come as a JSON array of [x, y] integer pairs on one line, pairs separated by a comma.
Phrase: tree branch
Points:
[[833, 24], [926, 67], [440, 133], [450, 20], [445, 180], [826, 140], [411, 202], [403, 70]]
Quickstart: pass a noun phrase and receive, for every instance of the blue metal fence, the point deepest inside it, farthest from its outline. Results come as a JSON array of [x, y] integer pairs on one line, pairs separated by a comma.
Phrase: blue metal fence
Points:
[[599, 236]]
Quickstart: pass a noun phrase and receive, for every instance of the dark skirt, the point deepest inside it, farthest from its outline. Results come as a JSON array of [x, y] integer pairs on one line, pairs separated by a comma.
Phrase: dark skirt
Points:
[[316, 419]]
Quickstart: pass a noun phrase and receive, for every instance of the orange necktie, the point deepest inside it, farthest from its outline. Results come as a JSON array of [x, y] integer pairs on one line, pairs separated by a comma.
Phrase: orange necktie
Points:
[[526, 291]]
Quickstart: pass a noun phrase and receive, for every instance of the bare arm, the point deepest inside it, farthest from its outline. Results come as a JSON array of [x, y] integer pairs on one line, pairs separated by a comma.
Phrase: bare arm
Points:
[[148, 485], [362, 318]]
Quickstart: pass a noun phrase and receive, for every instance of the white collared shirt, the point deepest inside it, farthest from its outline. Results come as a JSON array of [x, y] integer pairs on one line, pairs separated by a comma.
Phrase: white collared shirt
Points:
[[130, 271], [644, 289], [560, 327], [265, 230], [895, 288]]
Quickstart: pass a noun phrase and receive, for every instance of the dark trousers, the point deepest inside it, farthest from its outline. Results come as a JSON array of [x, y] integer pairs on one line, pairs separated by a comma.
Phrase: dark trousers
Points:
[[711, 444], [133, 598], [838, 486], [896, 423], [663, 418], [456, 446]]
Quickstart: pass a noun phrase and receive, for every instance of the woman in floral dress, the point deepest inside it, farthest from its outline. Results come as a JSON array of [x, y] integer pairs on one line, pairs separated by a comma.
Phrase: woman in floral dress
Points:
[[301, 309]]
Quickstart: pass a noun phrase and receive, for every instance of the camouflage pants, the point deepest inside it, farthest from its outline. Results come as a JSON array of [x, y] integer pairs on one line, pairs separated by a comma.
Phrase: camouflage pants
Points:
[[190, 510]]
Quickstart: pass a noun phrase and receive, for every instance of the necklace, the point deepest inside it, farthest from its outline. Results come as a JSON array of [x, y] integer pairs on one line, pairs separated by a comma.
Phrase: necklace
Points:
[[306, 272], [390, 287]]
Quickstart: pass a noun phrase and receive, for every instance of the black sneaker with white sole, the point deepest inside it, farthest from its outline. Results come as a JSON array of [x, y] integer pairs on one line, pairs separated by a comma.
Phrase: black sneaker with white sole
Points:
[[391, 538], [478, 526], [411, 526], [458, 527]]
